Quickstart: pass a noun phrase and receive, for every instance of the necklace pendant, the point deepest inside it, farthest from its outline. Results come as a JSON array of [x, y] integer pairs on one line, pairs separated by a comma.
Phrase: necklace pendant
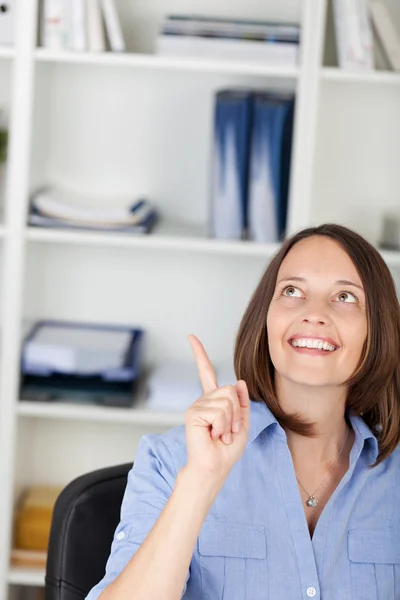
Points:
[[312, 502]]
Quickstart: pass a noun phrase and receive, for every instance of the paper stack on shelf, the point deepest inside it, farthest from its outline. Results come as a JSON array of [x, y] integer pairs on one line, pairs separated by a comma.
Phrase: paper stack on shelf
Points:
[[229, 39], [59, 208], [81, 362], [81, 25]]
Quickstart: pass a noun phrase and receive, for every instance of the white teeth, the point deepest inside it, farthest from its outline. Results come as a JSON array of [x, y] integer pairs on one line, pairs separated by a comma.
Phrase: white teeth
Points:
[[310, 343]]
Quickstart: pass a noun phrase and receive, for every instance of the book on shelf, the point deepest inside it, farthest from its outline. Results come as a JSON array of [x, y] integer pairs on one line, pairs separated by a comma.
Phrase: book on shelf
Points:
[[353, 31], [249, 41], [252, 141], [60, 208], [230, 163], [94, 27], [81, 25], [387, 33], [270, 166]]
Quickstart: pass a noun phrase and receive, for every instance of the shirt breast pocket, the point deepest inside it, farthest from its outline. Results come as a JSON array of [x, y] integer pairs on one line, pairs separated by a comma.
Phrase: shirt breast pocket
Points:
[[233, 561], [375, 564]]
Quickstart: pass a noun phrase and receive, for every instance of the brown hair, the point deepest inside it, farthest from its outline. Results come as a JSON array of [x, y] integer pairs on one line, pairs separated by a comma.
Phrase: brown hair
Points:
[[374, 387]]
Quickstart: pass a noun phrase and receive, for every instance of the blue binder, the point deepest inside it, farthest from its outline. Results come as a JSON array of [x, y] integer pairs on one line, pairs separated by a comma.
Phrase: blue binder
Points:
[[231, 141], [270, 166]]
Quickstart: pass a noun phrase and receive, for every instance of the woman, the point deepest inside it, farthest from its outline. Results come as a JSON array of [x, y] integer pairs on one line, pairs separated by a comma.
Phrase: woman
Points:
[[294, 493]]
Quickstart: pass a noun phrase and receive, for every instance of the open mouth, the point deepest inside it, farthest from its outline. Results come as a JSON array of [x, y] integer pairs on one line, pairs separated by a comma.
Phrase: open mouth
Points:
[[312, 344]]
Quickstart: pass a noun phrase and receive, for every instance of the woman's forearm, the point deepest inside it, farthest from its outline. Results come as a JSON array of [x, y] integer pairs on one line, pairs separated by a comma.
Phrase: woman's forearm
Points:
[[159, 567]]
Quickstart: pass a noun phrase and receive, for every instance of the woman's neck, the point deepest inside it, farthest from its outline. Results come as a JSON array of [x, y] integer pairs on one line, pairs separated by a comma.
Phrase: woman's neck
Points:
[[326, 408]]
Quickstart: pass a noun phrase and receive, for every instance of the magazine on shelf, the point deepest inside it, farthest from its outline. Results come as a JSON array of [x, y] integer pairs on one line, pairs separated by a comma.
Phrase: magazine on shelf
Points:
[[234, 28]]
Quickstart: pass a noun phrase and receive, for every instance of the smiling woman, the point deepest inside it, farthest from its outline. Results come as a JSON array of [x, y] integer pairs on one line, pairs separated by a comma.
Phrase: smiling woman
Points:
[[285, 483], [326, 283]]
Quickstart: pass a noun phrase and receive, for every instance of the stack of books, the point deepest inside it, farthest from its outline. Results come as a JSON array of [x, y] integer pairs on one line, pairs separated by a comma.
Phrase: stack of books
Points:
[[81, 25], [228, 39], [252, 144], [59, 208]]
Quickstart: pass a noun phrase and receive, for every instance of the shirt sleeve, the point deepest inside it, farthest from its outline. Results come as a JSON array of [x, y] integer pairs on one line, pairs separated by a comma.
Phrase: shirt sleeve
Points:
[[150, 483]]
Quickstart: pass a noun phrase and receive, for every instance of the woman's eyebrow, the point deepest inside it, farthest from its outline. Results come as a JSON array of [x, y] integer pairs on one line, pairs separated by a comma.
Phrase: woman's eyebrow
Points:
[[338, 282]]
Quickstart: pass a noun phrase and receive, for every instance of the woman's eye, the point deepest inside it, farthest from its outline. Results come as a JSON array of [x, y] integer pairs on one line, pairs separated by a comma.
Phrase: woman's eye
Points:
[[291, 291], [347, 297]]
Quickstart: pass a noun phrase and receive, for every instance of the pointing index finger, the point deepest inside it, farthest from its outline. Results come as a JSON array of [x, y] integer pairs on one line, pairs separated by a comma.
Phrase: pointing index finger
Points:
[[206, 371]]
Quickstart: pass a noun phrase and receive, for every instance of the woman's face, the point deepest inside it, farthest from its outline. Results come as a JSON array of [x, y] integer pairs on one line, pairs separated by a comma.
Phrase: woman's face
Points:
[[318, 299]]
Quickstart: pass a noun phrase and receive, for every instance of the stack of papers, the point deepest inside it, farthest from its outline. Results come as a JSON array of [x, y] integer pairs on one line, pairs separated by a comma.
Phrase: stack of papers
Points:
[[79, 351], [57, 207]]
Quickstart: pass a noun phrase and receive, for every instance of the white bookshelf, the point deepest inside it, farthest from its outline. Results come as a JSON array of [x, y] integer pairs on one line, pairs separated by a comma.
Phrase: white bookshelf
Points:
[[123, 123], [167, 236], [150, 61], [100, 414]]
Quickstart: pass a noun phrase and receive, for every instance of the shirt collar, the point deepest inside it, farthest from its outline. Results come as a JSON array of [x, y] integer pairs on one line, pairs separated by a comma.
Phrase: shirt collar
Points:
[[364, 435], [261, 417]]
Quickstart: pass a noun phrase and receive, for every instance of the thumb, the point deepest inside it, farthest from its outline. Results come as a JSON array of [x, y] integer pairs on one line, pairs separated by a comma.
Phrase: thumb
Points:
[[244, 400]]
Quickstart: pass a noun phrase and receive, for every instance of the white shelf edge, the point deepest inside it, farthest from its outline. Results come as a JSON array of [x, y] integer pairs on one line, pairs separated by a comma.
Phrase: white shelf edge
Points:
[[372, 77], [130, 59], [25, 576], [152, 240], [100, 414]]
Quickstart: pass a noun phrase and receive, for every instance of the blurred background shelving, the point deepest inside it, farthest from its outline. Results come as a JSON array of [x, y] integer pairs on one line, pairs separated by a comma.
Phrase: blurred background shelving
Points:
[[134, 124]]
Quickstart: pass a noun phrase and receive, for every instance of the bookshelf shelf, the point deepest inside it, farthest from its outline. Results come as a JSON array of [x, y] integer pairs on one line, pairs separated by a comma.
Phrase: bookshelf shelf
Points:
[[370, 77], [168, 236], [26, 577], [99, 414], [150, 61]]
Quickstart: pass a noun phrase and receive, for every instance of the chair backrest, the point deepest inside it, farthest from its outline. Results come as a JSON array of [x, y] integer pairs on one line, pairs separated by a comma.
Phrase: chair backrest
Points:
[[84, 520]]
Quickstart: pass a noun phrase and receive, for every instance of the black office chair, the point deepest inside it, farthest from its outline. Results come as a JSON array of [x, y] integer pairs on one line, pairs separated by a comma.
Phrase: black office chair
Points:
[[84, 520]]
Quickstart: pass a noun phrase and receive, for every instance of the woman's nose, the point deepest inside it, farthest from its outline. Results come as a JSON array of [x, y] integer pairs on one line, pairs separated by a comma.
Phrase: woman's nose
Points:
[[316, 313]]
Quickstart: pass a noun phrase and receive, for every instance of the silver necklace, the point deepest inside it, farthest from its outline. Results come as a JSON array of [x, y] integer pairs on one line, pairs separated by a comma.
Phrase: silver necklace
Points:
[[312, 500]]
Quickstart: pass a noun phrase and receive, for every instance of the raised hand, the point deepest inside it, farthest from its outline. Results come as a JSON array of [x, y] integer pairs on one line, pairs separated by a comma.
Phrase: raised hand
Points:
[[217, 424]]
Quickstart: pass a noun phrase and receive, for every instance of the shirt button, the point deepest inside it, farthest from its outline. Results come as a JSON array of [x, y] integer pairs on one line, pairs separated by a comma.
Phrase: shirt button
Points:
[[120, 535], [311, 591]]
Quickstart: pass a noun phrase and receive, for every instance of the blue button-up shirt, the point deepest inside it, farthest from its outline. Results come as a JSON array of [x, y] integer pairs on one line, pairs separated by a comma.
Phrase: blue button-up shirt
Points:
[[255, 542]]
